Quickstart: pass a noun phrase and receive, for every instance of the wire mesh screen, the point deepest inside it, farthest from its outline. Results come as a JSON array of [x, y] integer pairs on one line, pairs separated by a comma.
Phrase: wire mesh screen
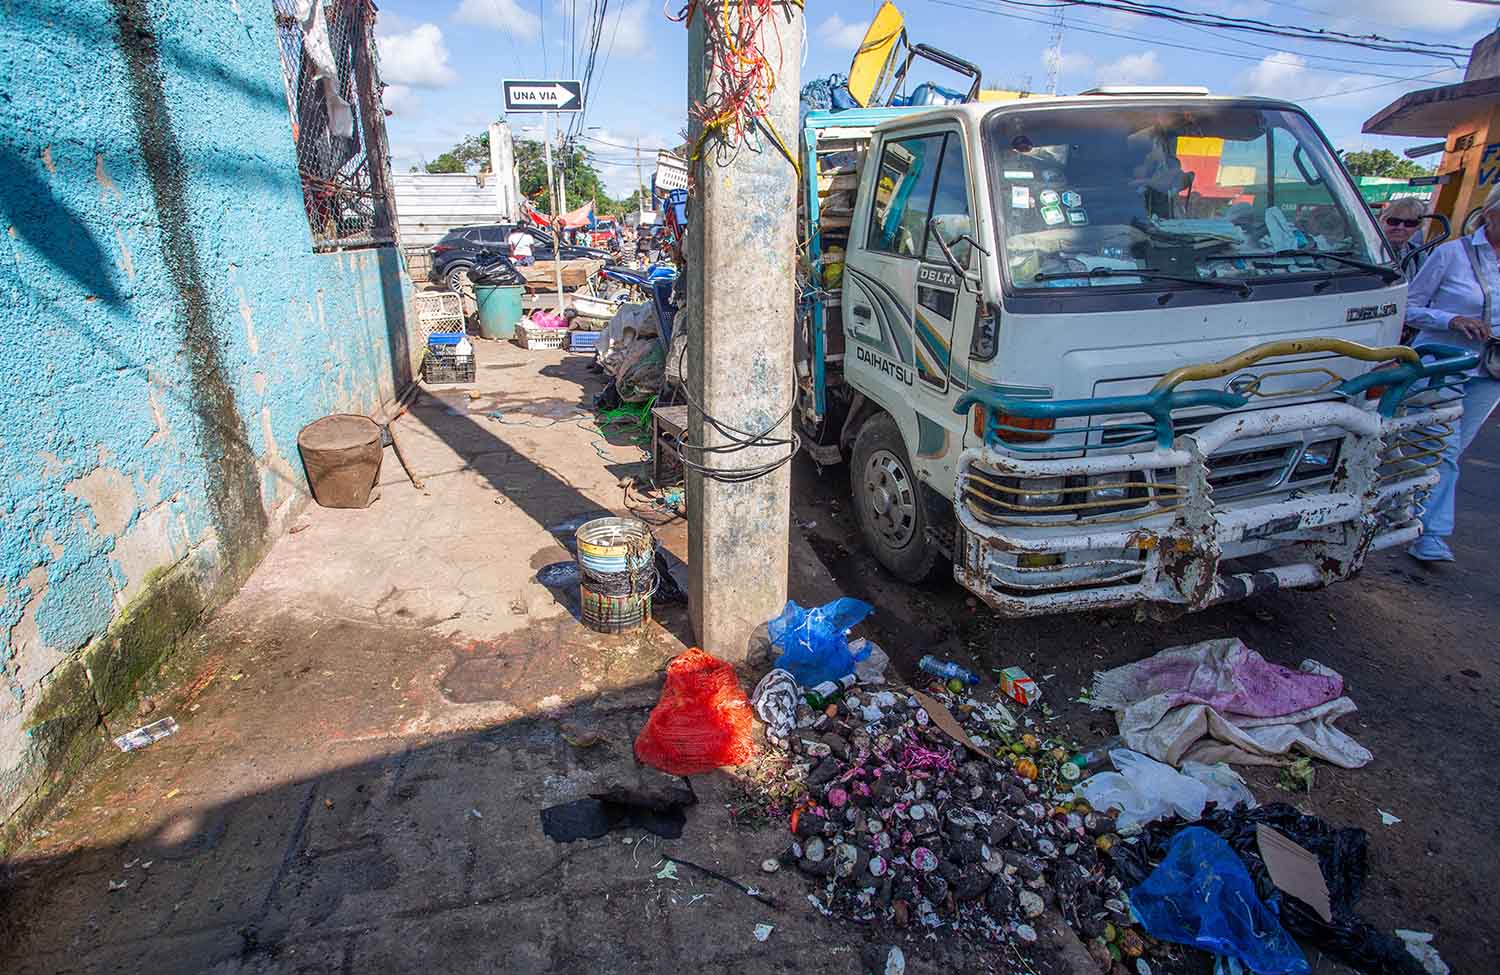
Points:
[[328, 61]]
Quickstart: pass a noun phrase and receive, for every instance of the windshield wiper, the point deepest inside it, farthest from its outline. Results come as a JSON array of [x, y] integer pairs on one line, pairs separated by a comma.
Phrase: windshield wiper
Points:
[[1239, 287], [1387, 274]]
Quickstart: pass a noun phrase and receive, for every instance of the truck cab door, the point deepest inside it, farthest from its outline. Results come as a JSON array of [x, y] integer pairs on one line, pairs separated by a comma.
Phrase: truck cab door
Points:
[[943, 318], [880, 269], [898, 344]]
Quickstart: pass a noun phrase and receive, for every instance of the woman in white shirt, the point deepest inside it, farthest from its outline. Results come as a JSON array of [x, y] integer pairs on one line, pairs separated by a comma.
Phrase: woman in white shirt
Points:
[[1455, 300], [520, 247]]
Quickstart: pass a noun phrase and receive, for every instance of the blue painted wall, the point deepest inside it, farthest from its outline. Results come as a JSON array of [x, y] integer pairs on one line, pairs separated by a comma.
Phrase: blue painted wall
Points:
[[165, 331]]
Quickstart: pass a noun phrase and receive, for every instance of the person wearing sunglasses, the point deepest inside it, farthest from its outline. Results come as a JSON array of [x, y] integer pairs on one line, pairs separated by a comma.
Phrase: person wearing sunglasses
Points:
[[1455, 300], [1402, 220]]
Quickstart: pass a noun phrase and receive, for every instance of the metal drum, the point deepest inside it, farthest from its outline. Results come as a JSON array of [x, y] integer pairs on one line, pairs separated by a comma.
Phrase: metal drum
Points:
[[617, 573]]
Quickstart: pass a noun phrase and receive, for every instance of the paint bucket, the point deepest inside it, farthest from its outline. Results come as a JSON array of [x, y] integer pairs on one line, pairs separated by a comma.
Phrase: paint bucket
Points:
[[604, 613], [608, 547], [499, 309], [617, 573], [342, 455]]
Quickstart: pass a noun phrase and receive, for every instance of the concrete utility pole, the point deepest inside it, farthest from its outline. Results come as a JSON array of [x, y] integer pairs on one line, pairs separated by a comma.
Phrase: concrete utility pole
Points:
[[640, 181], [556, 244], [503, 166], [742, 245]]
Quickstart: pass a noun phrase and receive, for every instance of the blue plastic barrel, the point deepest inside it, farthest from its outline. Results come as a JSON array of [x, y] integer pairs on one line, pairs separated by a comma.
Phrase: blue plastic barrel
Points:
[[499, 309]]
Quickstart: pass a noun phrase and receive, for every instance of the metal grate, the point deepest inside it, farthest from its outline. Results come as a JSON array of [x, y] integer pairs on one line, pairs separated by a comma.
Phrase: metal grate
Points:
[[344, 167]]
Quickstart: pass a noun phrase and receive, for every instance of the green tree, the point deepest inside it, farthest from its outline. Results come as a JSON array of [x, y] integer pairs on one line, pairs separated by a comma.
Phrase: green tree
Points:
[[581, 179], [446, 163], [1382, 162], [471, 155]]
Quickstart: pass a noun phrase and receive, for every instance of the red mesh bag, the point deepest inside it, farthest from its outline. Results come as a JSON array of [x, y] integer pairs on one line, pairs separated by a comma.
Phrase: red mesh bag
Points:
[[702, 720]]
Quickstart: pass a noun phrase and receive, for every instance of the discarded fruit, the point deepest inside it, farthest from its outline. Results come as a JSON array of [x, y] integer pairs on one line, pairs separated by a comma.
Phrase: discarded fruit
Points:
[[1026, 768]]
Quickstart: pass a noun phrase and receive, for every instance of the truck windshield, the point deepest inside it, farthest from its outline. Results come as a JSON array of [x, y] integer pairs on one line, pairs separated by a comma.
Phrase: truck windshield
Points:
[[1182, 190]]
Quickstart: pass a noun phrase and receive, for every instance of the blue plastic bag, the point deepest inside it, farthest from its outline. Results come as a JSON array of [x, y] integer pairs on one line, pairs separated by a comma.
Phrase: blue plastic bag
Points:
[[815, 642], [1202, 895]]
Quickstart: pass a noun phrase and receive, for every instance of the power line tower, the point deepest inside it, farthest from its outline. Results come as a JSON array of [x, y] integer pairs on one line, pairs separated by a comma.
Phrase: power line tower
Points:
[[1054, 51]]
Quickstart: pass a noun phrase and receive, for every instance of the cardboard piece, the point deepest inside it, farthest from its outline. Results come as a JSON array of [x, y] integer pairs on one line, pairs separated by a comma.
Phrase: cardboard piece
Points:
[[948, 724], [1294, 870]]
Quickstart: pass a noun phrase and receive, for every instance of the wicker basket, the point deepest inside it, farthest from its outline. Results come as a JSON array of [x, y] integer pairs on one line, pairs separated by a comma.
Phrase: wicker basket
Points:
[[535, 337]]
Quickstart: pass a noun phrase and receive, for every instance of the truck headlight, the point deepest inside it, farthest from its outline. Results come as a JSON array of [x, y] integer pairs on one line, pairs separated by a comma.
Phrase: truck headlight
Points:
[[1317, 460], [1115, 488], [1040, 492]]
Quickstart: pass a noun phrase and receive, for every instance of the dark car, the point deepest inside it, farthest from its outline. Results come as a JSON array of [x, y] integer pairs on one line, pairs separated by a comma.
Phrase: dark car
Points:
[[459, 251]]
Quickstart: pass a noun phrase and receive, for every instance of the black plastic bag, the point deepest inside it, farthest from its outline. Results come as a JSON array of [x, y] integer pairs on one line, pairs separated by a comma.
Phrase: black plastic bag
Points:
[[1342, 856]]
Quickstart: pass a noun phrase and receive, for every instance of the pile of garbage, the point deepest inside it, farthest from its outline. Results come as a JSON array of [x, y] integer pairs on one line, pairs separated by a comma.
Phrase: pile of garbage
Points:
[[938, 810]]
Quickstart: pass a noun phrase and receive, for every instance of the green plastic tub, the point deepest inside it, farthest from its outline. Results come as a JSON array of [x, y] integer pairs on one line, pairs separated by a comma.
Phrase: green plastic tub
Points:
[[499, 309]]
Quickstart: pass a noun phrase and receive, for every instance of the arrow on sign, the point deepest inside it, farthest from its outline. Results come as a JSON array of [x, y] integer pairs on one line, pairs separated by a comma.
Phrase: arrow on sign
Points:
[[544, 95]]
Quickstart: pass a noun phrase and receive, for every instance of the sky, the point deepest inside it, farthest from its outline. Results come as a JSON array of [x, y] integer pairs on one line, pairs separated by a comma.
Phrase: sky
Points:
[[443, 61]]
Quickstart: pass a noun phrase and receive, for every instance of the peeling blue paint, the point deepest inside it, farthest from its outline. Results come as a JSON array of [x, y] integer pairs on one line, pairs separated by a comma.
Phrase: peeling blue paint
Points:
[[108, 465]]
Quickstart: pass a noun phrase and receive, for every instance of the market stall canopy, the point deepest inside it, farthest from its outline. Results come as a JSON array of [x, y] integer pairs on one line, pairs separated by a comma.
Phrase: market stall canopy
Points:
[[573, 219], [1435, 112]]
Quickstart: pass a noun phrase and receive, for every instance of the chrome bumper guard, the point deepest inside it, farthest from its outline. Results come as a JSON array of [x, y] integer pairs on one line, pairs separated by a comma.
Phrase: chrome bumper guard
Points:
[[1143, 527]]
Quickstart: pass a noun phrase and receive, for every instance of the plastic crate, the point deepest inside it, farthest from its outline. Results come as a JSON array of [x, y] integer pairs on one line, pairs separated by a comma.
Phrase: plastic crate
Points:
[[583, 341], [438, 312], [447, 369], [535, 337]]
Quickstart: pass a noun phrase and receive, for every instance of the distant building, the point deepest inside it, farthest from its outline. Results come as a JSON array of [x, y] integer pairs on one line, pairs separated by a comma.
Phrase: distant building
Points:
[[1467, 116]]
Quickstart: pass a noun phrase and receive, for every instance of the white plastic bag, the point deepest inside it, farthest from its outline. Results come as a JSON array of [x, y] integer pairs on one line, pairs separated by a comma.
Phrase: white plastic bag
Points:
[[1144, 789]]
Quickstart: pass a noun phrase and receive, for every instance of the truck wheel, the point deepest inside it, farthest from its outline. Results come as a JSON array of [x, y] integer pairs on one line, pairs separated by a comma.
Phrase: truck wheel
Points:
[[888, 501]]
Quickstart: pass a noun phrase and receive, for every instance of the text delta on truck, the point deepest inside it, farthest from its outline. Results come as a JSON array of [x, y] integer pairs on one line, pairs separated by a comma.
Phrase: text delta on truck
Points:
[[1128, 348]]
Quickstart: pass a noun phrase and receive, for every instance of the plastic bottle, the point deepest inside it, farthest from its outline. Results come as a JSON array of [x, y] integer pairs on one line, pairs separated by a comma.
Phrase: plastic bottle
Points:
[[946, 669], [1094, 759]]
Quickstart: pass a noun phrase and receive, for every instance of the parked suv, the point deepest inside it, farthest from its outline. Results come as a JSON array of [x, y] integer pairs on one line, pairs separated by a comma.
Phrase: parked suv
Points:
[[458, 252]]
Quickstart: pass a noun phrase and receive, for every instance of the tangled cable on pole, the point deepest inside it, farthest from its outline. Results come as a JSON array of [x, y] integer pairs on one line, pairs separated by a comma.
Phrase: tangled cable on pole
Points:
[[736, 112]]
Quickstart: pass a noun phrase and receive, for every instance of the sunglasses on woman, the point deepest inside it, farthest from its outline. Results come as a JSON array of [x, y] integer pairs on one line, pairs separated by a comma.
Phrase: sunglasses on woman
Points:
[[1398, 222]]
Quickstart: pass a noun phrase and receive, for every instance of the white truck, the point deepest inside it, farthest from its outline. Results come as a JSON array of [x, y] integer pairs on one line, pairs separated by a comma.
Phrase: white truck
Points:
[[1130, 348]]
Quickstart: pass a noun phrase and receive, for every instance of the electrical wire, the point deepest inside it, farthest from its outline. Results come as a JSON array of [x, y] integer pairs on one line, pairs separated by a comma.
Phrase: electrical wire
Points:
[[738, 440], [736, 112], [1383, 84], [1374, 42], [1078, 26]]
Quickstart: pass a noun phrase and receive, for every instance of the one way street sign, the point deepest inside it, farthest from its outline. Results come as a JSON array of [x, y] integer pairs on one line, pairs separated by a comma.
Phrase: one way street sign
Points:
[[543, 96]]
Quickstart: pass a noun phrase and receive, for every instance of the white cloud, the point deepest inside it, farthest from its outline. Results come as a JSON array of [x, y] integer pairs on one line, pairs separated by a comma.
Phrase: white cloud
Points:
[[1286, 75], [400, 100], [1276, 74], [630, 32], [417, 57], [1429, 16], [1132, 69], [838, 32], [506, 15]]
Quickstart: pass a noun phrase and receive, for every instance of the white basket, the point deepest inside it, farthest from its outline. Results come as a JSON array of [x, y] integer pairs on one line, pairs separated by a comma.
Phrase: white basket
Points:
[[438, 312], [536, 337]]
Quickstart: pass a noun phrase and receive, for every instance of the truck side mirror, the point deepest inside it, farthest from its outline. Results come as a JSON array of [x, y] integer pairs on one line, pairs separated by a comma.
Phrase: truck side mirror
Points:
[[1447, 231], [967, 279]]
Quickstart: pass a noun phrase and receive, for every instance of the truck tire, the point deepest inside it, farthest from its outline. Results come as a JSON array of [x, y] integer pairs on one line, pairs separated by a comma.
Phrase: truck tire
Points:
[[889, 502]]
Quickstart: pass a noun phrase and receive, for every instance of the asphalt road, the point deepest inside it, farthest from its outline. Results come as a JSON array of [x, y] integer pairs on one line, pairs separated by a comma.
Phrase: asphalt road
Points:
[[1416, 646]]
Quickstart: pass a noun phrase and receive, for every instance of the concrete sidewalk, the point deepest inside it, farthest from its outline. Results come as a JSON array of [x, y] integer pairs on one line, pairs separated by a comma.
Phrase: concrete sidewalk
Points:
[[370, 728]]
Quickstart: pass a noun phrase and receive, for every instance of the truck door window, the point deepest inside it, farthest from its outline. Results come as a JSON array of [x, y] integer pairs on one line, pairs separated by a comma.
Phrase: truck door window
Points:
[[903, 195], [950, 207]]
